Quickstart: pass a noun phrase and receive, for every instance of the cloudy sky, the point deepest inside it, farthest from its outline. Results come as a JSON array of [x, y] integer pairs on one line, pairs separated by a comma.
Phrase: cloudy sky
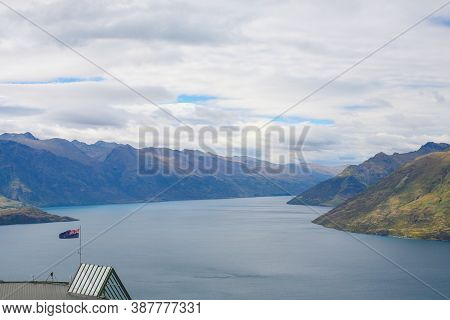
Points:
[[229, 63]]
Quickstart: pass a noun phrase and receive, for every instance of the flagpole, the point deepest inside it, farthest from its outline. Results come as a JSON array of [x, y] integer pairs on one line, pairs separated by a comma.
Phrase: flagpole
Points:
[[80, 244]]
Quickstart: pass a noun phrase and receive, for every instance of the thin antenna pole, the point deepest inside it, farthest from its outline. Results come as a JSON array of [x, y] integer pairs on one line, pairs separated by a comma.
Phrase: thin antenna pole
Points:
[[80, 244]]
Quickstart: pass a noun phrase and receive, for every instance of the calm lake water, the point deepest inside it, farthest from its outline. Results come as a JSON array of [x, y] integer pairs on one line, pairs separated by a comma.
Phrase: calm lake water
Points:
[[253, 248]]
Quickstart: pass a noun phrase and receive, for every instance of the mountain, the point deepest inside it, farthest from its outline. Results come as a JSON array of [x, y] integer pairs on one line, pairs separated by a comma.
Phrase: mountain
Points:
[[59, 147], [97, 151], [14, 212], [326, 170], [414, 201], [60, 172], [41, 178], [357, 178], [332, 170]]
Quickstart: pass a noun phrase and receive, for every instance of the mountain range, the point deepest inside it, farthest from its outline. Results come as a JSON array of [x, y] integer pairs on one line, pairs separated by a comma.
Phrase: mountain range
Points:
[[413, 201], [355, 179], [60, 172]]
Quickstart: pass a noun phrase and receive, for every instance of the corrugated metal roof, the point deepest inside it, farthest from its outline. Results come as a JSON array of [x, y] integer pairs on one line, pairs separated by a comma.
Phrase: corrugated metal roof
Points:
[[98, 281], [37, 291]]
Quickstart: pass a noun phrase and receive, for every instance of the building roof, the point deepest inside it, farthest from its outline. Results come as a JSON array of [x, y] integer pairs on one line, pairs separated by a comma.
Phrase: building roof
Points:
[[90, 282], [37, 291], [98, 281]]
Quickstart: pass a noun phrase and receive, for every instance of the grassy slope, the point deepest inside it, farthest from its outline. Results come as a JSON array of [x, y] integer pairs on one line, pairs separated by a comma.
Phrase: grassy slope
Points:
[[15, 212], [414, 201], [355, 179]]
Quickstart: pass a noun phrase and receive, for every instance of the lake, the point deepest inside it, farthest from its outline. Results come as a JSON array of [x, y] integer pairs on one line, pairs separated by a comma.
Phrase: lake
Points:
[[252, 248]]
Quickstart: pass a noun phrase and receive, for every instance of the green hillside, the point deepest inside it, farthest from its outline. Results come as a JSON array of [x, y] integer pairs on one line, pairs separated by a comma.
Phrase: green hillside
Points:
[[355, 179], [414, 201], [15, 212]]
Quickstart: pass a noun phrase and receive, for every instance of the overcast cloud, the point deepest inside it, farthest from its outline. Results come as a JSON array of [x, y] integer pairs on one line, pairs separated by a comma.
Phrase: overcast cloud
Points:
[[253, 59]]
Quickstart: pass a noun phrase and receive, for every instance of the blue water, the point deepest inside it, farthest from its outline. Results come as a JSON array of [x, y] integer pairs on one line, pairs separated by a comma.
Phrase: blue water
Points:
[[253, 248]]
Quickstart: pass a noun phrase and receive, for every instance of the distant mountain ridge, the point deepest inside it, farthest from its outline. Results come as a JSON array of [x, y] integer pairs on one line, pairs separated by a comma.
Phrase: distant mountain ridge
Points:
[[59, 147], [60, 172], [414, 201], [357, 178]]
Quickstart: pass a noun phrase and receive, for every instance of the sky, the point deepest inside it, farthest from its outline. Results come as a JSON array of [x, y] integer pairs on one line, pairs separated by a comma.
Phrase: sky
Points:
[[229, 63]]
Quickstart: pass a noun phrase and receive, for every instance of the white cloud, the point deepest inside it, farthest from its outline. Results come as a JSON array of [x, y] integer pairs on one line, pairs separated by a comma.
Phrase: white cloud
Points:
[[257, 57]]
